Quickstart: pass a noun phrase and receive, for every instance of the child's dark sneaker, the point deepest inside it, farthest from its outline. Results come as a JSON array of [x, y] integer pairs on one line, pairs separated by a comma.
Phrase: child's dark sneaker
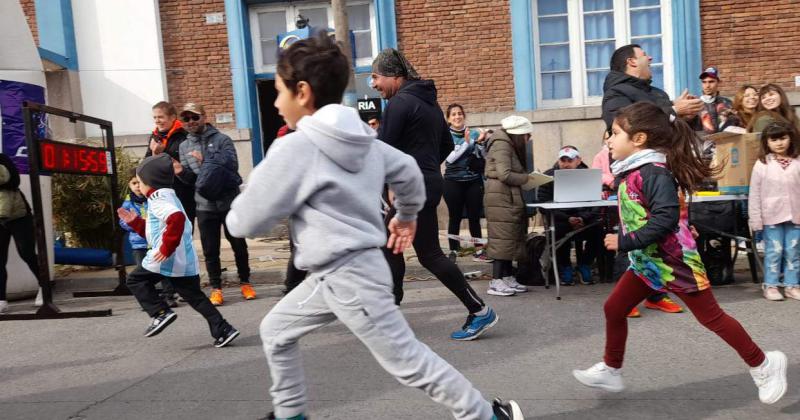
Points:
[[271, 416], [507, 410], [160, 322], [226, 338], [172, 301]]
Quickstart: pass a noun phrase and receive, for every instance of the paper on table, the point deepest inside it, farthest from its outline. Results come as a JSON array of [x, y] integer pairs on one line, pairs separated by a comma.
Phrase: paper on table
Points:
[[536, 179]]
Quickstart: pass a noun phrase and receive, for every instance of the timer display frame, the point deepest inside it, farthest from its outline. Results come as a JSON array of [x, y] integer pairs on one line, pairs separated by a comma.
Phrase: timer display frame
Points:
[[68, 158]]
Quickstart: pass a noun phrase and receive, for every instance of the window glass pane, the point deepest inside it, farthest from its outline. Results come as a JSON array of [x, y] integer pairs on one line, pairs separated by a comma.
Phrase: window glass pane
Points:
[[362, 87], [270, 24], [358, 17], [598, 26], [553, 30], [651, 46], [269, 52], [318, 16], [556, 86], [645, 22], [551, 7], [640, 3], [555, 57], [597, 5], [363, 44], [658, 76], [598, 54], [596, 80]]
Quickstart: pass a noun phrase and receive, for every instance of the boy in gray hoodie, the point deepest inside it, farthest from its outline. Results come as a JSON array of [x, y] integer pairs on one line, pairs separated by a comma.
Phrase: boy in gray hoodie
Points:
[[327, 177]]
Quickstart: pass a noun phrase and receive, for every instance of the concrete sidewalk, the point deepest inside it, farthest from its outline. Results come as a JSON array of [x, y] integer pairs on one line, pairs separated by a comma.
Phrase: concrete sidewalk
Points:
[[103, 368]]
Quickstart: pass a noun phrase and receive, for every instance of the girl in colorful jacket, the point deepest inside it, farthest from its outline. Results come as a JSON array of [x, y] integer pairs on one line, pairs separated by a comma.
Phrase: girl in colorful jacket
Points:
[[775, 208], [656, 163]]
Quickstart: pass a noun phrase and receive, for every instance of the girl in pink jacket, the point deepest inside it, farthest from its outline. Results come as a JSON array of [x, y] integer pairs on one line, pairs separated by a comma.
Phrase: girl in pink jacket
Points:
[[774, 207]]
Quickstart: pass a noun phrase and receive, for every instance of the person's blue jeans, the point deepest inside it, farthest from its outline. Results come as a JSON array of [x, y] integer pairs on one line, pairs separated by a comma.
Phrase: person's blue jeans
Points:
[[781, 250]]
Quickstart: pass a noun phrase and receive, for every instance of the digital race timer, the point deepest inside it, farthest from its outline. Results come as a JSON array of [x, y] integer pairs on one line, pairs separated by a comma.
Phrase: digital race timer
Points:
[[74, 159]]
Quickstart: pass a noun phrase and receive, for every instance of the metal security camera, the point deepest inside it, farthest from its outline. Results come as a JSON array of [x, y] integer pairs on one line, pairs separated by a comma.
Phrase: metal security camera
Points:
[[301, 22]]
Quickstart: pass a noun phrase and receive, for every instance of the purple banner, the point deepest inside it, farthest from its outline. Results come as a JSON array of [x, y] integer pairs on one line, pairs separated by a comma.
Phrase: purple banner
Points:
[[12, 94]]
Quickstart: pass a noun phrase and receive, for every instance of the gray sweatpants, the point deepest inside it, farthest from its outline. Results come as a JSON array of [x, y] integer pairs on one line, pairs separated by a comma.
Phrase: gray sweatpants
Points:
[[359, 294]]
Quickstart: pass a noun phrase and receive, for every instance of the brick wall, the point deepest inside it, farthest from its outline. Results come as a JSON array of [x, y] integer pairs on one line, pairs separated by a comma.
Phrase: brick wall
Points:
[[196, 56], [752, 41], [464, 46], [29, 9]]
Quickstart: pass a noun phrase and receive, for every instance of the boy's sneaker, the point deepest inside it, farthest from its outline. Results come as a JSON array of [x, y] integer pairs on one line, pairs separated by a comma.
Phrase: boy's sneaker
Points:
[[453, 257], [271, 416], [585, 274], [792, 292], [3, 306], [159, 323], [634, 313], [172, 301], [566, 274], [475, 326], [601, 376], [248, 293], [512, 283], [226, 338], [770, 377], [507, 410], [498, 287], [666, 304], [772, 293], [480, 256], [216, 297]]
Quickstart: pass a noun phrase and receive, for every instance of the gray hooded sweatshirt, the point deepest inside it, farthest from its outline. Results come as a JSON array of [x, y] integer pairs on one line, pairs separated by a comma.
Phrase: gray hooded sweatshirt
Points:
[[328, 177]]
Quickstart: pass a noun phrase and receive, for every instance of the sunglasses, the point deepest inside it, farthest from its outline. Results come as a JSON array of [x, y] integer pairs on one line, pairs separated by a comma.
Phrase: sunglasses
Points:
[[193, 117]]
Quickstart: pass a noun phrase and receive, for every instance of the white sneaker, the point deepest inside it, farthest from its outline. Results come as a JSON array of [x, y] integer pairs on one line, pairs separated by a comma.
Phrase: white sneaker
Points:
[[771, 379], [512, 283], [792, 292], [601, 376], [3, 306], [772, 293], [498, 287]]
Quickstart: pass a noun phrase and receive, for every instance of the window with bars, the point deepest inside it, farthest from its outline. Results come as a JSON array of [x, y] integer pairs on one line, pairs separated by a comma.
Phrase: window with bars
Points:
[[574, 41], [268, 21]]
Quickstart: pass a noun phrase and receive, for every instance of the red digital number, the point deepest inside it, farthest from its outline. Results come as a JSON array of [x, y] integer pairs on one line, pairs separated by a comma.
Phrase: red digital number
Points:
[[48, 156]]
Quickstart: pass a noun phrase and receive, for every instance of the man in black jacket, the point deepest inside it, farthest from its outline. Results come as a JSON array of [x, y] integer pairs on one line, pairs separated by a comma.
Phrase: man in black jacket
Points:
[[628, 82], [413, 123], [588, 243]]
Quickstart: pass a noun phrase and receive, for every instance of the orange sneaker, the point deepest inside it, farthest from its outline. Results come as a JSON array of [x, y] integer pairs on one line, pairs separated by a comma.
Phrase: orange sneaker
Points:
[[634, 313], [216, 297], [248, 292], [666, 305]]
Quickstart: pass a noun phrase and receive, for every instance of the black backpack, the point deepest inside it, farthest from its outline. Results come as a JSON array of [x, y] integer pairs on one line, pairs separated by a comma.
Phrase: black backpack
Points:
[[13, 181], [529, 272], [216, 181]]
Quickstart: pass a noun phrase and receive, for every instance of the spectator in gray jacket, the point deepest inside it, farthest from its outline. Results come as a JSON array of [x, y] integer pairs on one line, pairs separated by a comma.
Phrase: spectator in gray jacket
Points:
[[202, 139]]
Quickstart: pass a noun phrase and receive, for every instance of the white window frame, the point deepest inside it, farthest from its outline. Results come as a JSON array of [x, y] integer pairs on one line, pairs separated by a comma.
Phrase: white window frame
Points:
[[577, 52], [290, 11]]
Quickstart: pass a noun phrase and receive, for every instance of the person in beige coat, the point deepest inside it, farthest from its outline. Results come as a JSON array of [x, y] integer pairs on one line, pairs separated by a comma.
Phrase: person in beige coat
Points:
[[504, 206]]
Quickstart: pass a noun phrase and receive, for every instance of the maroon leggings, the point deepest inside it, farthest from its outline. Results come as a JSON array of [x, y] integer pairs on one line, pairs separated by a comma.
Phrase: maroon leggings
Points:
[[630, 291]]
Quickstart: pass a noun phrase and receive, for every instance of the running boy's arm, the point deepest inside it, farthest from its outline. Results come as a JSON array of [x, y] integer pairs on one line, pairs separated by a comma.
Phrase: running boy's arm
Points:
[[175, 221], [275, 189], [405, 180], [661, 195], [132, 220]]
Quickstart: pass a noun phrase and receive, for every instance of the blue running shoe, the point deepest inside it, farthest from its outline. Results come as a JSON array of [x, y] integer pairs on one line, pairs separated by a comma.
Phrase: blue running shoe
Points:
[[475, 326], [585, 274], [567, 276]]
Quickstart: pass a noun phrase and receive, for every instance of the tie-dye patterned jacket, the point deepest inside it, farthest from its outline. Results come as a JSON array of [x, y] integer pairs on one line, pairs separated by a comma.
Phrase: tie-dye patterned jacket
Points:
[[655, 231]]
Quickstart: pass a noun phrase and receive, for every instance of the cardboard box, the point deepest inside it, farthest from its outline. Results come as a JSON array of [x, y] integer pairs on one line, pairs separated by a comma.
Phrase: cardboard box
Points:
[[738, 153]]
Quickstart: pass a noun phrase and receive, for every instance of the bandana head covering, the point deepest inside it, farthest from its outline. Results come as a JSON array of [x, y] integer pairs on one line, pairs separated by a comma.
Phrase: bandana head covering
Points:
[[393, 63]]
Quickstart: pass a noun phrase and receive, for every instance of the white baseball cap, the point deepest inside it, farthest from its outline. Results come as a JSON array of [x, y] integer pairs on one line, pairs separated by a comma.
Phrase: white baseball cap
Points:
[[569, 152]]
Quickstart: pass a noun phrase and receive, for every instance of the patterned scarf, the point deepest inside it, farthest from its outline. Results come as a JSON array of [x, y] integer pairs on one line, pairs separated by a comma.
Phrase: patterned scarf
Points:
[[636, 160]]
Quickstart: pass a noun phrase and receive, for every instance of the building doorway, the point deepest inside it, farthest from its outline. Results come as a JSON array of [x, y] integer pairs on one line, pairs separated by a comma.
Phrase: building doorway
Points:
[[271, 121]]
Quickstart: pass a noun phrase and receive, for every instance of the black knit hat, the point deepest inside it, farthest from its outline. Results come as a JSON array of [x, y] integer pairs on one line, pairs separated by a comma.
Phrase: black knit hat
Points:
[[156, 171]]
